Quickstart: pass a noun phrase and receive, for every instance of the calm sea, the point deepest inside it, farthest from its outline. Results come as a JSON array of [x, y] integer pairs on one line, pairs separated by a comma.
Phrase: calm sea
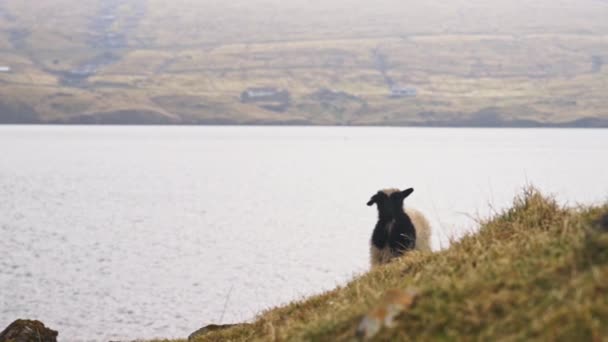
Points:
[[140, 232]]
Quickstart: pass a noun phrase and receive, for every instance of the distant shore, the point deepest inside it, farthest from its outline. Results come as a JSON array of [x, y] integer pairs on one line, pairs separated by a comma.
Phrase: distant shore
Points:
[[143, 119]]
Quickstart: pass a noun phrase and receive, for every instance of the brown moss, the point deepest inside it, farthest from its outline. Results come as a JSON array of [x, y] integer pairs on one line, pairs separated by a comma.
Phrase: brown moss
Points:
[[28, 331]]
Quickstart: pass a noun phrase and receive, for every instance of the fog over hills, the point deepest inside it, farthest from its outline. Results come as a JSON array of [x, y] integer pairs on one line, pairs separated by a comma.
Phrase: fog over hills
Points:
[[384, 62]]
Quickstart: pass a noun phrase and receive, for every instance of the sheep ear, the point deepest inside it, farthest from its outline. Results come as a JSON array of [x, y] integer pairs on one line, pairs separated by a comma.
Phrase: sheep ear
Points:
[[372, 200], [407, 192]]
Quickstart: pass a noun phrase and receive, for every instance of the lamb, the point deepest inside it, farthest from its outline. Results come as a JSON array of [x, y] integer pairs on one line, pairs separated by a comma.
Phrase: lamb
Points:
[[397, 230]]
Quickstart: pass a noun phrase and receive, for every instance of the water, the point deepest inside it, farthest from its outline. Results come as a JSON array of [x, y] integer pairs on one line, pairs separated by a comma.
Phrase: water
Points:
[[141, 232]]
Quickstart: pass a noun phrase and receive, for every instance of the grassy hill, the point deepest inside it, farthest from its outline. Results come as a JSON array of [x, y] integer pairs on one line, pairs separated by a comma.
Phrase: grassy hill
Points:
[[473, 63], [537, 271]]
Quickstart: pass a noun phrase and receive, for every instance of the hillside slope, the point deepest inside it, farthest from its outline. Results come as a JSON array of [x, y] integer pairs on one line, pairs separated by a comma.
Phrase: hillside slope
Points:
[[537, 271], [461, 63]]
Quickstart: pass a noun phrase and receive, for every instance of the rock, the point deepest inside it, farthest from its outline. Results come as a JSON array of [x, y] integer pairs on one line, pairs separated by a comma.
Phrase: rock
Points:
[[211, 328], [28, 331]]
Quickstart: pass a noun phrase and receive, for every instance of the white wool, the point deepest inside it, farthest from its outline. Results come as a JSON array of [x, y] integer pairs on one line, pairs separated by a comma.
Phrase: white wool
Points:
[[389, 191], [423, 230]]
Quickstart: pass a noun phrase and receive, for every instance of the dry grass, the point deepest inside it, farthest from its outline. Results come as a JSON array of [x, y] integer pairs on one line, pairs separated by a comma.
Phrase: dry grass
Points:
[[537, 271]]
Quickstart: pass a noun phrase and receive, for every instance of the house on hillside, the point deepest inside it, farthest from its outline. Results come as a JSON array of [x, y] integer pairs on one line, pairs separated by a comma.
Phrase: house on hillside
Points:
[[398, 91], [265, 94], [273, 99]]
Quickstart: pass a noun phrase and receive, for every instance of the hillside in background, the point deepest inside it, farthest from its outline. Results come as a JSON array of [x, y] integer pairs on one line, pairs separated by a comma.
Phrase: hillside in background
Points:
[[345, 62]]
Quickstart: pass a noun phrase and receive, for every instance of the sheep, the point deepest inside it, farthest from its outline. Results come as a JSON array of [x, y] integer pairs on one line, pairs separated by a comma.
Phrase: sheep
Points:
[[397, 230]]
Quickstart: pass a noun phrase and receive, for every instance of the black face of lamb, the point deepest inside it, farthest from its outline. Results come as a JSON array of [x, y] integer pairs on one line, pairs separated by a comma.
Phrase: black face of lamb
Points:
[[394, 228]]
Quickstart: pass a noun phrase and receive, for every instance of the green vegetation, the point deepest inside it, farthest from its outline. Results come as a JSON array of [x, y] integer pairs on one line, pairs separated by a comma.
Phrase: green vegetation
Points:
[[188, 61], [537, 271]]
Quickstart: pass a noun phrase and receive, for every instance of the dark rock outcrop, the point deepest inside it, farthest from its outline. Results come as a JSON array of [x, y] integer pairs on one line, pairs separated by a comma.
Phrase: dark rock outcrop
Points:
[[328, 95], [28, 331], [211, 328]]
